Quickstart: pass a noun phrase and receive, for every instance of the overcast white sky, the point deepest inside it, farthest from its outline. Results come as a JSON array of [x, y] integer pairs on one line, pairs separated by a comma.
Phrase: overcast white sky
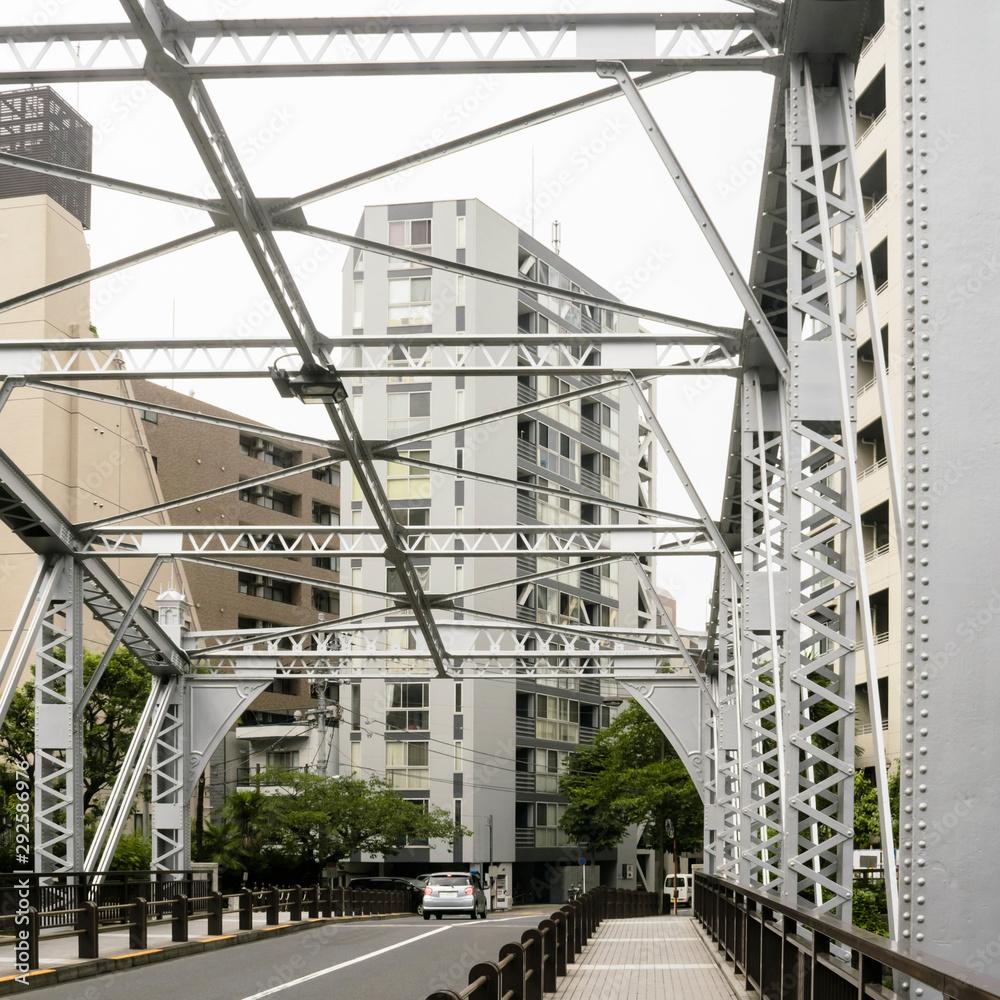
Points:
[[596, 172]]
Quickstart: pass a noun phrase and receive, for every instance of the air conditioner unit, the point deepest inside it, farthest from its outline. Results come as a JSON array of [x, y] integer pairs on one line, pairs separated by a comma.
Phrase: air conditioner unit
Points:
[[258, 444], [266, 491], [257, 581]]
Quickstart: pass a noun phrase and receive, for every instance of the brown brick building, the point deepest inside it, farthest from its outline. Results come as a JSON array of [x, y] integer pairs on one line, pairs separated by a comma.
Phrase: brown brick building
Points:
[[191, 457]]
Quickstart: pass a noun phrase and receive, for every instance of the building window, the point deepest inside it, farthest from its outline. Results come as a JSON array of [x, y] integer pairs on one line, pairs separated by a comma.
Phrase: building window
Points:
[[409, 301], [557, 719], [394, 581], [413, 233], [460, 290], [267, 451], [549, 764], [412, 841], [558, 453], [566, 413], [408, 707], [324, 601], [280, 685], [265, 586], [151, 416], [324, 475], [459, 232], [458, 755], [404, 482], [285, 759], [323, 513], [408, 412], [458, 697], [355, 707], [406, 764], [270, 498], [327, 563], [547, 832], [356, 757], [358, 320], [414, 517]]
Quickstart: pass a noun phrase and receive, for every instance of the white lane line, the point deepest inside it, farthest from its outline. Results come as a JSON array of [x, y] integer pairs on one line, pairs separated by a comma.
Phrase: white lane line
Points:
[[344, 965]]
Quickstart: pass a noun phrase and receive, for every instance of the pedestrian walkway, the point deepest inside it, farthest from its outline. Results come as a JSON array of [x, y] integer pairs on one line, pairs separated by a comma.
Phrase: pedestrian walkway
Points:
[[650, 958]]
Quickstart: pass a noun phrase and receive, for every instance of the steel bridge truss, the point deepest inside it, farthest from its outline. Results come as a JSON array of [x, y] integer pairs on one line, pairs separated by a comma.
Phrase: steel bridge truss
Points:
[[763, 717]]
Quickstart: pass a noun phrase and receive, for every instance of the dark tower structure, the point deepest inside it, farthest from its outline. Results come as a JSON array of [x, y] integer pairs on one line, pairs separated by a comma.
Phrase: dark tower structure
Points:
[[39, 124]]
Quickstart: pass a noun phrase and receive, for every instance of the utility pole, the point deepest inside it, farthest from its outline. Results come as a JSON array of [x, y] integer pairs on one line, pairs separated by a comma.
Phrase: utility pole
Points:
[[321, 721]]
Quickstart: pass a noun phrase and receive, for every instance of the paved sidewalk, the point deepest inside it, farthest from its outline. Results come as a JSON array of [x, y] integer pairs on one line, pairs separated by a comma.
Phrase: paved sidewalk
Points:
[[650, 958]]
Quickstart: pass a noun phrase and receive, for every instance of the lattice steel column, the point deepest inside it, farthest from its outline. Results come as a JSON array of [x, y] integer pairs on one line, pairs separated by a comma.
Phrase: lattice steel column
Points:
[[818, 683], [171, 808], [58, 735], [729, 832], [762, 638]]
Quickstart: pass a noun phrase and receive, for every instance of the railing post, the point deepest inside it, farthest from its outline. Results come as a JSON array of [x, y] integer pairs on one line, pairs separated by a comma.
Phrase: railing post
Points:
[[314, 892], [179, 918], [138, 932], [327, 901], [559, 919], [246, 910], [569, 918], [295, 903], [214, 928], [490, 990], [549, 932], [273, 915], [512, 982], [534, 952], [34, 926], [88, 945]]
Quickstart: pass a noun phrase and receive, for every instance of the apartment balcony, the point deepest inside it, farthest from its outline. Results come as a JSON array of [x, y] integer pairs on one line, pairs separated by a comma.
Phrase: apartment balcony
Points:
[[275, 731], [527, 451], [873, 483], [269, 780]]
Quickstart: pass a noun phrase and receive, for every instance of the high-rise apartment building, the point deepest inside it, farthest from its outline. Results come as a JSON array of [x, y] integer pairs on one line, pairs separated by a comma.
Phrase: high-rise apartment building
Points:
[[490, 751]]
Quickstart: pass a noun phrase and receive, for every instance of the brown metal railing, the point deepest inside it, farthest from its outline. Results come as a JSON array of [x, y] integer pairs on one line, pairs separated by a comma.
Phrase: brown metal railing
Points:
[[531, 967], [88, 919], [788, 953]]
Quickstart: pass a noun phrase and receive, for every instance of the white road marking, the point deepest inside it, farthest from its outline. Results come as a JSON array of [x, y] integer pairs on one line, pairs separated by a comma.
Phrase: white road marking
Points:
[[344, 965]]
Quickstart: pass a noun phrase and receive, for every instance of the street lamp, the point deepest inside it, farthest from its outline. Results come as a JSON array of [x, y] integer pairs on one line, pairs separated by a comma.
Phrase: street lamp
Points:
[[313, 384]]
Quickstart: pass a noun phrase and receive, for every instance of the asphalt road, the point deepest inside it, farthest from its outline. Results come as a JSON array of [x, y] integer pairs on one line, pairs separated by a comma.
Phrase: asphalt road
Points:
[[399, 959]]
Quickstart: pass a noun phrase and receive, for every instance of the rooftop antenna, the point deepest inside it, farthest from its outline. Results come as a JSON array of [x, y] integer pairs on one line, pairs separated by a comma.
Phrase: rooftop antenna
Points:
[[556, 236]]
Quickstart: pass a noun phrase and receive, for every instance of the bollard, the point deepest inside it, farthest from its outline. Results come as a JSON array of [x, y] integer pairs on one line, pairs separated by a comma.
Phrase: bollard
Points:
[[179, 918], [273, 912], [138, 932], [214, 928], [513, 962], [88, 944], [569, 915], [295, 903], [533, 960], [246, 910]]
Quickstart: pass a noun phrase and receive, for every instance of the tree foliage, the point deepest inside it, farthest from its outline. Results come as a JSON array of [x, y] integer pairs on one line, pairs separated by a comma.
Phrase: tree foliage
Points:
[[867, 831], [319, 819], [631, 774]]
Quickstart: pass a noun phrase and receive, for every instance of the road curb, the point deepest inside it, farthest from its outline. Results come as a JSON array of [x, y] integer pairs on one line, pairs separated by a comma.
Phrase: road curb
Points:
[[85, 968]]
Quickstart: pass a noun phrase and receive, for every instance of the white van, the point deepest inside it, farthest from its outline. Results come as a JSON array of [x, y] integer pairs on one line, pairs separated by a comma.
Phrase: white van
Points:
[[685, 890]]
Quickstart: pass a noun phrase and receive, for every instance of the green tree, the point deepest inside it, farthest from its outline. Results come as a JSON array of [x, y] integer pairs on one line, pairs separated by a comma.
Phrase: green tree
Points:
[[867, 830], [631, 774], [330, 818], [134, 853]]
